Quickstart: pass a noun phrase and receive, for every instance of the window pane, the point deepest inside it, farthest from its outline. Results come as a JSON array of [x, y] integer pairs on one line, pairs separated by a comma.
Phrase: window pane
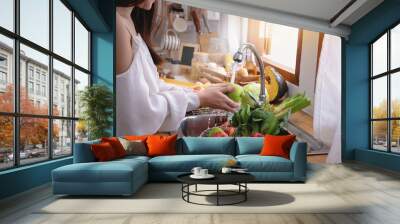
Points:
[[62, 138], [34, 97], [62, 29], [62, 89], [7, 14], [6, 74], [282, 46], [395, 47], [379, 56], [81, 45], [35, 21], [81, 81], [395, 136], [379, 97], [395, 95], [33, 140], [379, 135], [6, 142], [81, 131]]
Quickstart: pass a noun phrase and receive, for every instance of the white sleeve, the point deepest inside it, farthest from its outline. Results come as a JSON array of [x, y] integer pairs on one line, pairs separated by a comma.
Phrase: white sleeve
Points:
[[141, 111], [193, 98]]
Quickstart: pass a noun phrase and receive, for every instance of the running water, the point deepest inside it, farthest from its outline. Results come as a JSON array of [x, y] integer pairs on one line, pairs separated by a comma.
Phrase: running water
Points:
[[234, 68], [233, 71]]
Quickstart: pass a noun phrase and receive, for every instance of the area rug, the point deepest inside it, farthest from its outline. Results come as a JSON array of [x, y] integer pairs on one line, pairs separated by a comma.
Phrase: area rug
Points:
[[166, 198]]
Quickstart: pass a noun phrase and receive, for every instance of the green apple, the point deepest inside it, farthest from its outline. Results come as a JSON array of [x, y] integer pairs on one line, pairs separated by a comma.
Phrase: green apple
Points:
[[236, 95], [216, 132], [251, 89]]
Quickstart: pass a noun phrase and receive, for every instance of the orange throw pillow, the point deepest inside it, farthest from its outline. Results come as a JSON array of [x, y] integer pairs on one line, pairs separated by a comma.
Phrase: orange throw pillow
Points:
[[116, 145], [136, 137], [103, 152], [159, 145], [277, 145]]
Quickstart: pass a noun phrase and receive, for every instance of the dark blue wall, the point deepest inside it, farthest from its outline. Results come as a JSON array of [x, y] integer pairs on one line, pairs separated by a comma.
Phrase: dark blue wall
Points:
[[356, 114], [90, 11], [24, 178], [380, 159], [99, 15], [356, 84], [103, 51]]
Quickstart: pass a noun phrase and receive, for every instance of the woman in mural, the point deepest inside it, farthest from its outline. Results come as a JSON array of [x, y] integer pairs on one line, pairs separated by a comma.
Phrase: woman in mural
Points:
[[145, 104]]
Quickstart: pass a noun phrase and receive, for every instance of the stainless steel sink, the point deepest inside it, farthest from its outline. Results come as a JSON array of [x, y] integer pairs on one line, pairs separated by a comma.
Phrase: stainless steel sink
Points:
[[196, 124]]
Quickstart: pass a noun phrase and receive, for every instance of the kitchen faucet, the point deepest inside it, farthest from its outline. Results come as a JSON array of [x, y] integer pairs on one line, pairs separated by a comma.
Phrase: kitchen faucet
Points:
[[238, 58]]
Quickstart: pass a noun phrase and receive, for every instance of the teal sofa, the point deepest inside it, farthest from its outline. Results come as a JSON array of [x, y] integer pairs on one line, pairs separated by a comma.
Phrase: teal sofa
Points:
[[125, 176]]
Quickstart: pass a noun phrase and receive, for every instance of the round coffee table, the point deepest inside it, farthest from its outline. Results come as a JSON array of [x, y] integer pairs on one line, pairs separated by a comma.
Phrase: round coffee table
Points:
[[238, 179]]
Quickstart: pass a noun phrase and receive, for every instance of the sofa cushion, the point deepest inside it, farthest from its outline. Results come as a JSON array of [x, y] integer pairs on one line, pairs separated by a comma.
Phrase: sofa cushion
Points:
[[136, 137], [116, 145], [185, 163], [83, 152], [161, 145], [113, 171], [103, 152], [249, 145], [134, 147], [257, 163], [277, 145], [133, 158], [206, 145]]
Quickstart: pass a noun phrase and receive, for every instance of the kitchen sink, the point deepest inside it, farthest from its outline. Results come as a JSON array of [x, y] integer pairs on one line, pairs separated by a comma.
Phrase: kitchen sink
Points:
[[194, 125]]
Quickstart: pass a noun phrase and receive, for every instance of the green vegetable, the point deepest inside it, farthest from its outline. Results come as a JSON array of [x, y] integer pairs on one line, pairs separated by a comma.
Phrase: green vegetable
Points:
[[235, 120], [256, 127], [271, 125], [292, 105], [258, 114], [245, 113], [251, 91], [266, 118]]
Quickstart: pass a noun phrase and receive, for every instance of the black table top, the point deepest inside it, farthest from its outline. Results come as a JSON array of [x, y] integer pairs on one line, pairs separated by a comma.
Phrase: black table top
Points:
[[220, 178]]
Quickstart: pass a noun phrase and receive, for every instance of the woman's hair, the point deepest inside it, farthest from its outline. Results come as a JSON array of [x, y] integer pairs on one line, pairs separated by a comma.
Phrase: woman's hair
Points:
[[143, 23]]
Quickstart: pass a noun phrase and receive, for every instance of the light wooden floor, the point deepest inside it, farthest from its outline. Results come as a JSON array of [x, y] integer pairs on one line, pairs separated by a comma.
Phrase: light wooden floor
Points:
[[352, 181], [317, 158], [303, 121]]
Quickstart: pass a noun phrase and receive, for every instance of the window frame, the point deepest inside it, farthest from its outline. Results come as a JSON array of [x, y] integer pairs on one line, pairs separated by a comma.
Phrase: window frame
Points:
[[3, 74], [289, 76], [16, 115], [3, 70], [388, 74], [254, 36]]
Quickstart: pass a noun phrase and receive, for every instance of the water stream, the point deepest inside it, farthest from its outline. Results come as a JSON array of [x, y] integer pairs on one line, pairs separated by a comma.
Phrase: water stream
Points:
[[234, 68]]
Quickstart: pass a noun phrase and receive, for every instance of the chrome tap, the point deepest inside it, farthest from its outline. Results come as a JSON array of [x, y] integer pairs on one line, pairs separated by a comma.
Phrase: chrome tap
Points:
[[238, 58]]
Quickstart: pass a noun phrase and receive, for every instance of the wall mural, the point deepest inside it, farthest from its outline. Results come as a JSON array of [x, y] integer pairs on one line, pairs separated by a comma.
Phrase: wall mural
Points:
[[197, 72]]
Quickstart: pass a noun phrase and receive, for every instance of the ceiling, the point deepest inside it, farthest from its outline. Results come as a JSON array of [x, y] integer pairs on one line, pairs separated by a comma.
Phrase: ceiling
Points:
[[325, 16], [320, 9]]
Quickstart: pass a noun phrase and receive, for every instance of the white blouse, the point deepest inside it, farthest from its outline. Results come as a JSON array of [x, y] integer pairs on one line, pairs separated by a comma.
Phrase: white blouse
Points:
[[145, 104]]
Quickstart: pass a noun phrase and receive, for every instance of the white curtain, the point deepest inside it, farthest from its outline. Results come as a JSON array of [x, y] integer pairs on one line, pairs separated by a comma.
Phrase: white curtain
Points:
[[234, 30], [327, 108]]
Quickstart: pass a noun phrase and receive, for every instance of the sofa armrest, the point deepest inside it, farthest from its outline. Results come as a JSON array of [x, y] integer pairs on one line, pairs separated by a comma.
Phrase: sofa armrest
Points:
[[298, 155], [83, 152]]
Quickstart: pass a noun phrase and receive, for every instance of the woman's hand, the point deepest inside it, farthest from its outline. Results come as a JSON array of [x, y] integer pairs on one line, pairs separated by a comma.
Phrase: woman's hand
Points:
[[214, 97]]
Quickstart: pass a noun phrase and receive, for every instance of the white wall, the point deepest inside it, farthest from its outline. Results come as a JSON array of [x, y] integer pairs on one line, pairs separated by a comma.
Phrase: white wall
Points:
[[308, 68]]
